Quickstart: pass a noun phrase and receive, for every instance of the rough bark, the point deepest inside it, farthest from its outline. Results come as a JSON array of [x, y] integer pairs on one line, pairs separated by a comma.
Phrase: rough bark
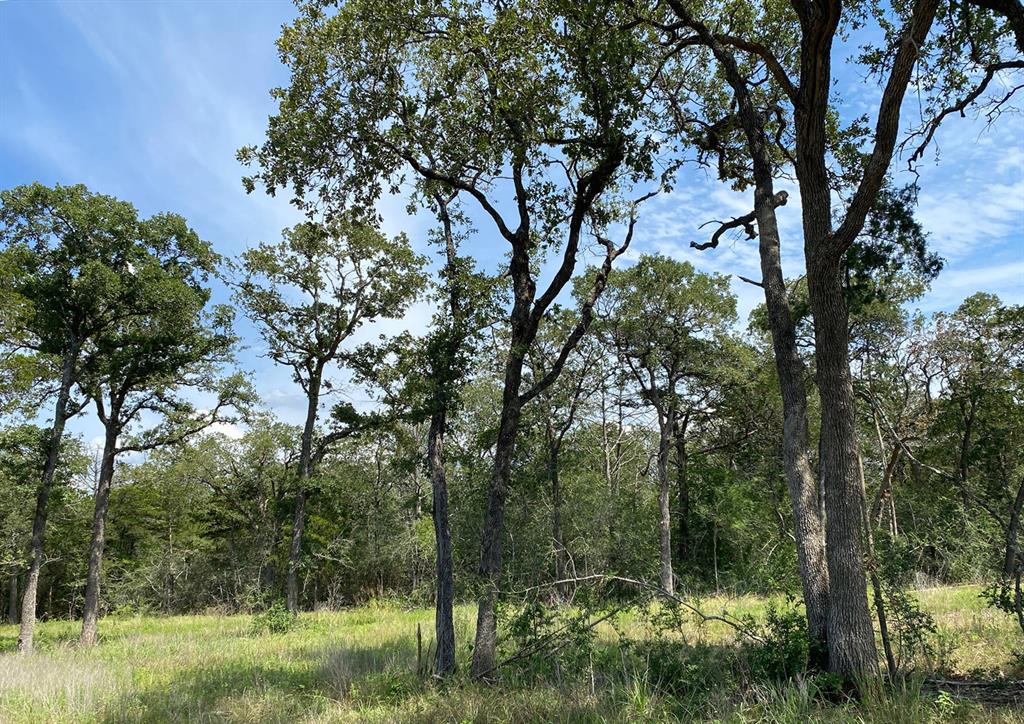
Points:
[[804, 494], [60, 414], [91, 609], [444, 625], [851, 635], [486, 644], [305, 473]]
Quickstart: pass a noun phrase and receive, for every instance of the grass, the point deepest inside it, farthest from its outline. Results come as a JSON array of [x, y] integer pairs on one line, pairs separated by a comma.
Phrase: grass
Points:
[[359, 665]]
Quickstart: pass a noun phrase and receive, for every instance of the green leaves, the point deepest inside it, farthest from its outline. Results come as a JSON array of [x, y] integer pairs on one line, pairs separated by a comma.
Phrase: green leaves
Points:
[[314, 289], [459, 90]]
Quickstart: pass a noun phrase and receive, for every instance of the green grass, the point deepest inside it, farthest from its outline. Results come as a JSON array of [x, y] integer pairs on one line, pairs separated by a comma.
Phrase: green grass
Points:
[[359, 665]]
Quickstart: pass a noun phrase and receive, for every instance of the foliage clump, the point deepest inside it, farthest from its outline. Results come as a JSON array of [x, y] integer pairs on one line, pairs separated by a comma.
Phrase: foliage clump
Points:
[[276, 619]]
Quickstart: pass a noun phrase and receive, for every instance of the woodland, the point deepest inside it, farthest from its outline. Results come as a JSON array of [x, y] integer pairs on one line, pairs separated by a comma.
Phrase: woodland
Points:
[[590, 489]]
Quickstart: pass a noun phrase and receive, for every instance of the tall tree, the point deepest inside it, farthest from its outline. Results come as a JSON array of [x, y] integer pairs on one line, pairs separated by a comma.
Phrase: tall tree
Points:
[[308, 295], [527, 102], [440, 368], [166, 343], [801, 82]]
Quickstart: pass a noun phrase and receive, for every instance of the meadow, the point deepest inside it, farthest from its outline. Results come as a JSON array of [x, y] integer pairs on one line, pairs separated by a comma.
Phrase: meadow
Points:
[[362, 665]]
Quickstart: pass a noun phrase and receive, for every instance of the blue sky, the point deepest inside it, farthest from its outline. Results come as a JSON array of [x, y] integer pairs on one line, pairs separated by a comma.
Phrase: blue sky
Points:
[[148, 101]]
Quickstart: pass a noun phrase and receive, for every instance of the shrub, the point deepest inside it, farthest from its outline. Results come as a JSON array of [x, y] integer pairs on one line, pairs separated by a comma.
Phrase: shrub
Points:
[[784, 647], [276, 619]]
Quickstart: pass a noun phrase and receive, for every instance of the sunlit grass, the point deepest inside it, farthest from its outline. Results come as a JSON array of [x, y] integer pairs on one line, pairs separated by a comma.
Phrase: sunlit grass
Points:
[[360, 665]]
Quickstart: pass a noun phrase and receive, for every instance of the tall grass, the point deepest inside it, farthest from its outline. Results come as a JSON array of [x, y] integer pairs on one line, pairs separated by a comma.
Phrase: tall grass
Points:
[[360, 665]]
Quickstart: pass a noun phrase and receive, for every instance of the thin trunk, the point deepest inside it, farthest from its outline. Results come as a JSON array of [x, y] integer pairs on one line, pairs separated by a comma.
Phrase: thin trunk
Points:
[[1011, 564], [295, 550], [664, 509], [305, 473], [876, 583], [683, 492], [562, 590], [12, 596], [91, 610], [444, 625], [714, 551], [28, 600]]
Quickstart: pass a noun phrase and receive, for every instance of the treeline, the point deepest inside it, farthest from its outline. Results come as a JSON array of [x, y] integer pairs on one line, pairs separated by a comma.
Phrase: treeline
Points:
[[570, 413]]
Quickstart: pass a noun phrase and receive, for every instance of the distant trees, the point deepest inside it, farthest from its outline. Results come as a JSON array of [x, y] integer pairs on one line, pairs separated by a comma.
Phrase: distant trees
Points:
[[669, 326]]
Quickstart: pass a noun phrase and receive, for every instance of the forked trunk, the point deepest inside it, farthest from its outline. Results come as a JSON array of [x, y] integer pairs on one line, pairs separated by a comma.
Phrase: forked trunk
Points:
[[804, 492]]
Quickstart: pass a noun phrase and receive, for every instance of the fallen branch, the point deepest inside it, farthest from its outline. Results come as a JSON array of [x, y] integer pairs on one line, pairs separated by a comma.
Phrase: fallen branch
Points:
[[660, 593]]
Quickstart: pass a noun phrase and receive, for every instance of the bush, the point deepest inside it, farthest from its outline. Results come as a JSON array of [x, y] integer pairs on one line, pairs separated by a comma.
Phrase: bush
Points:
[[784, 647], [276, 619]]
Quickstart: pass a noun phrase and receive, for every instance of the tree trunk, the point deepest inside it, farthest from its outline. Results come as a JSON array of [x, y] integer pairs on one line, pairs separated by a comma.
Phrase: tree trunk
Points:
[[851, 636], [486, 644], [804, 497], [1010, 560], [91, 610], [28, 600], [305, 473], [683, 493], [444, 625], [562, 591], [295, 550], [664, 509], [876, 583], [12, 596]]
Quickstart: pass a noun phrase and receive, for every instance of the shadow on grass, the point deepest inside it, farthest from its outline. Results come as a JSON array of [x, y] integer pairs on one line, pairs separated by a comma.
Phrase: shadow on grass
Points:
[[295, 687], [249, 691]]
